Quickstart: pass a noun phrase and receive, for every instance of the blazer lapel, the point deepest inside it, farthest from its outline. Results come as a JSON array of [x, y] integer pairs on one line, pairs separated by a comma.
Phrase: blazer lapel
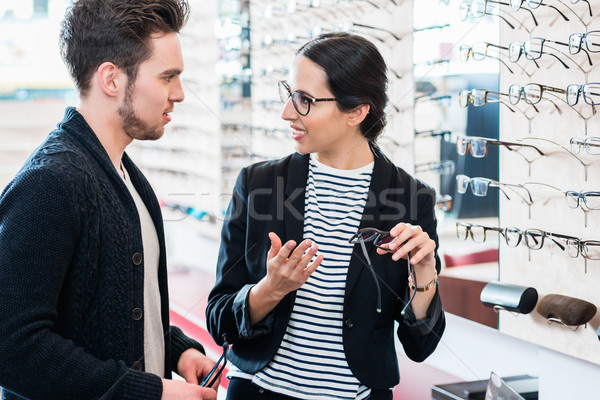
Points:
[[295, 188], [371, 218]]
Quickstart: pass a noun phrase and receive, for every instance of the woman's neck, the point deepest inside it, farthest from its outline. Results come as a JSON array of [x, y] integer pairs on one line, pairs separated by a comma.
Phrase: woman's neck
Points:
[[356, 156]]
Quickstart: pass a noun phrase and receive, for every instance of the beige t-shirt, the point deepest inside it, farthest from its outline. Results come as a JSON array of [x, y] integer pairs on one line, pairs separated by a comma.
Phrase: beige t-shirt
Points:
[[154, 342]]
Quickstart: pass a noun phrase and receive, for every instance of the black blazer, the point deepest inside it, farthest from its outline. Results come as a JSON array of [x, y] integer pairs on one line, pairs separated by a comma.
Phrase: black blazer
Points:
[[269, 197]]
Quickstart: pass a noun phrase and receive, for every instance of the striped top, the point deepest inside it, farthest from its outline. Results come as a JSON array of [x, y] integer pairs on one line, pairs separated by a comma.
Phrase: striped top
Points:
[[310, 363]]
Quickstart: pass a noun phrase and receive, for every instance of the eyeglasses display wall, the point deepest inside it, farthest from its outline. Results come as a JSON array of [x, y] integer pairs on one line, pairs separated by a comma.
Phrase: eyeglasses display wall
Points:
[[549, 230]]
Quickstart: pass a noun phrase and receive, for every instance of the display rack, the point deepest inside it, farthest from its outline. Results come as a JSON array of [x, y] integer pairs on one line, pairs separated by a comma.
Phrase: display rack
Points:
[[549, 125]]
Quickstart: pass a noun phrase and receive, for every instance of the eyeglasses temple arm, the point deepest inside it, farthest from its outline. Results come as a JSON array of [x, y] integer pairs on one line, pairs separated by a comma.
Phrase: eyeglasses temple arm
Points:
[[508, 144], [557, 10], [370, 267]]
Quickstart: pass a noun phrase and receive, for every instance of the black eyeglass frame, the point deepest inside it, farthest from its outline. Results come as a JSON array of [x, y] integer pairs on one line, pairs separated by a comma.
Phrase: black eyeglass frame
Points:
[[377, 237], [298, 95], [215, 373]]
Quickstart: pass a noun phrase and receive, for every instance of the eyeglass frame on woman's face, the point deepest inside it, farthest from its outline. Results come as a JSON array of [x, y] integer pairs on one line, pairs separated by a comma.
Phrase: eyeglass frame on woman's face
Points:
[[298, 96]]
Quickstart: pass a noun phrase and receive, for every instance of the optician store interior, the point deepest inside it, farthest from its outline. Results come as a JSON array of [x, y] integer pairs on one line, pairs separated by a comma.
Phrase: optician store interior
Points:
[[492, 103]]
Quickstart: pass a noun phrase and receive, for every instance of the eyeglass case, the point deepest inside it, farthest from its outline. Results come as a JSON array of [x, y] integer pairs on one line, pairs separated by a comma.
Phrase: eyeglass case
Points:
[[570, 311], [507, 296]]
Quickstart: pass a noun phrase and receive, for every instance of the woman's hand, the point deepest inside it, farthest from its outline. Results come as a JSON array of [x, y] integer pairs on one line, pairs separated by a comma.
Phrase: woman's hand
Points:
[[287, 270], [410, 238]]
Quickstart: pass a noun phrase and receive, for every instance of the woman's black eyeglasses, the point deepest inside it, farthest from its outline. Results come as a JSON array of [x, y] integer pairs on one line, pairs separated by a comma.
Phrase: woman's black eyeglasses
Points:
[[300, 101], [215, 373], [381, 240]]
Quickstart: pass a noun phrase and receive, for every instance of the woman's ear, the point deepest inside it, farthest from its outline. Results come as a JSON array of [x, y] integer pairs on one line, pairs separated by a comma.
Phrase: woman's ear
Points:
[[357, 116]]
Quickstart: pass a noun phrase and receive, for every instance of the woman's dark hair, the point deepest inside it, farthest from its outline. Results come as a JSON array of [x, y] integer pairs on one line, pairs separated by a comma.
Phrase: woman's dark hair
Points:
[[96, 31], [356, 75]]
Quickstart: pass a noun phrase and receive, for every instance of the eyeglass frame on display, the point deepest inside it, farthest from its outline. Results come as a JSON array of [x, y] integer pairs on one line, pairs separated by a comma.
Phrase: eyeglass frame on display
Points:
[[466, 6], [527, 53], [302, 96], [434, 133], [585, 144], [443, 202], [462, 188], [542, 89], [581, 37], [576, 196], [488, 142], [469, 229], [473, 96], [581, 89], [567, 151], [513, 5], [588, 3], [522, 90], [485, 54], [442, 167], [572, 242]]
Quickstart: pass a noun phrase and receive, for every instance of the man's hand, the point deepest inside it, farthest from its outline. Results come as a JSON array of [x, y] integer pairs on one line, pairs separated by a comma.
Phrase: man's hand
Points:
[[179, 390], [193, 366]]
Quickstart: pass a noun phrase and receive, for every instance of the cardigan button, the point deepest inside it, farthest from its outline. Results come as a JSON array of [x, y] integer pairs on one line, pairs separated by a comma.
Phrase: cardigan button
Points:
[[137, 259], [349, 324], [137, 314], [137, 365]]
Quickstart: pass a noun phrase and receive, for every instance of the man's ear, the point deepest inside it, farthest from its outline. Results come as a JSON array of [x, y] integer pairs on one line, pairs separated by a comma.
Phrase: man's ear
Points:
[[358, 115], [110, 79]]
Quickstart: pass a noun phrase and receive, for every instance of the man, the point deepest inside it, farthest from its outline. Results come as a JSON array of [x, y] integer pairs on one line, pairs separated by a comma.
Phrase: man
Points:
[[84, 308]]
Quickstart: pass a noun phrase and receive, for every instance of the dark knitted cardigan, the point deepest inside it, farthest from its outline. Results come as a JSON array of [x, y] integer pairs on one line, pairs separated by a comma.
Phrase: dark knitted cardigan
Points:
[[72, 276]]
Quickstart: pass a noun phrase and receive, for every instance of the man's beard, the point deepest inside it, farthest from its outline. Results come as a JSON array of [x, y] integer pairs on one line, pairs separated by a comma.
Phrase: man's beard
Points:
[[134, 127]]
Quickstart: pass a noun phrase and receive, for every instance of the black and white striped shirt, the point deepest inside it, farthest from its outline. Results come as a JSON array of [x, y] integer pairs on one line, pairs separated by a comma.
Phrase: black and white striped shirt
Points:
[[310, 363]]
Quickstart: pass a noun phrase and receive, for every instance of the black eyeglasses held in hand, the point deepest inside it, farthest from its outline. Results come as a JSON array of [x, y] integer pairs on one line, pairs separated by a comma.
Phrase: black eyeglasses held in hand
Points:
[[300, 100], [215, 373], [381, 240]]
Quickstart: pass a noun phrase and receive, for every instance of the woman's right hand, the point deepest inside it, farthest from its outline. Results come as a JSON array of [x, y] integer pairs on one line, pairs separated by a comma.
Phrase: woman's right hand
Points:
[[285, 273]]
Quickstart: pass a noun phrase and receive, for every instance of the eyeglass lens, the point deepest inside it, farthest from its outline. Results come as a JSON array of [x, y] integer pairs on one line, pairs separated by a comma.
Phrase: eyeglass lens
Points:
[[590, 91], [299, 101], [591, 40], [591, 200], [591, 145], [477, 232], [591, 249], [479, 186]]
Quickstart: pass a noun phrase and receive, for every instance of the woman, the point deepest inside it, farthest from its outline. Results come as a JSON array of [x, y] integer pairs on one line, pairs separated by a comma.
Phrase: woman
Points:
[[295, 293]]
